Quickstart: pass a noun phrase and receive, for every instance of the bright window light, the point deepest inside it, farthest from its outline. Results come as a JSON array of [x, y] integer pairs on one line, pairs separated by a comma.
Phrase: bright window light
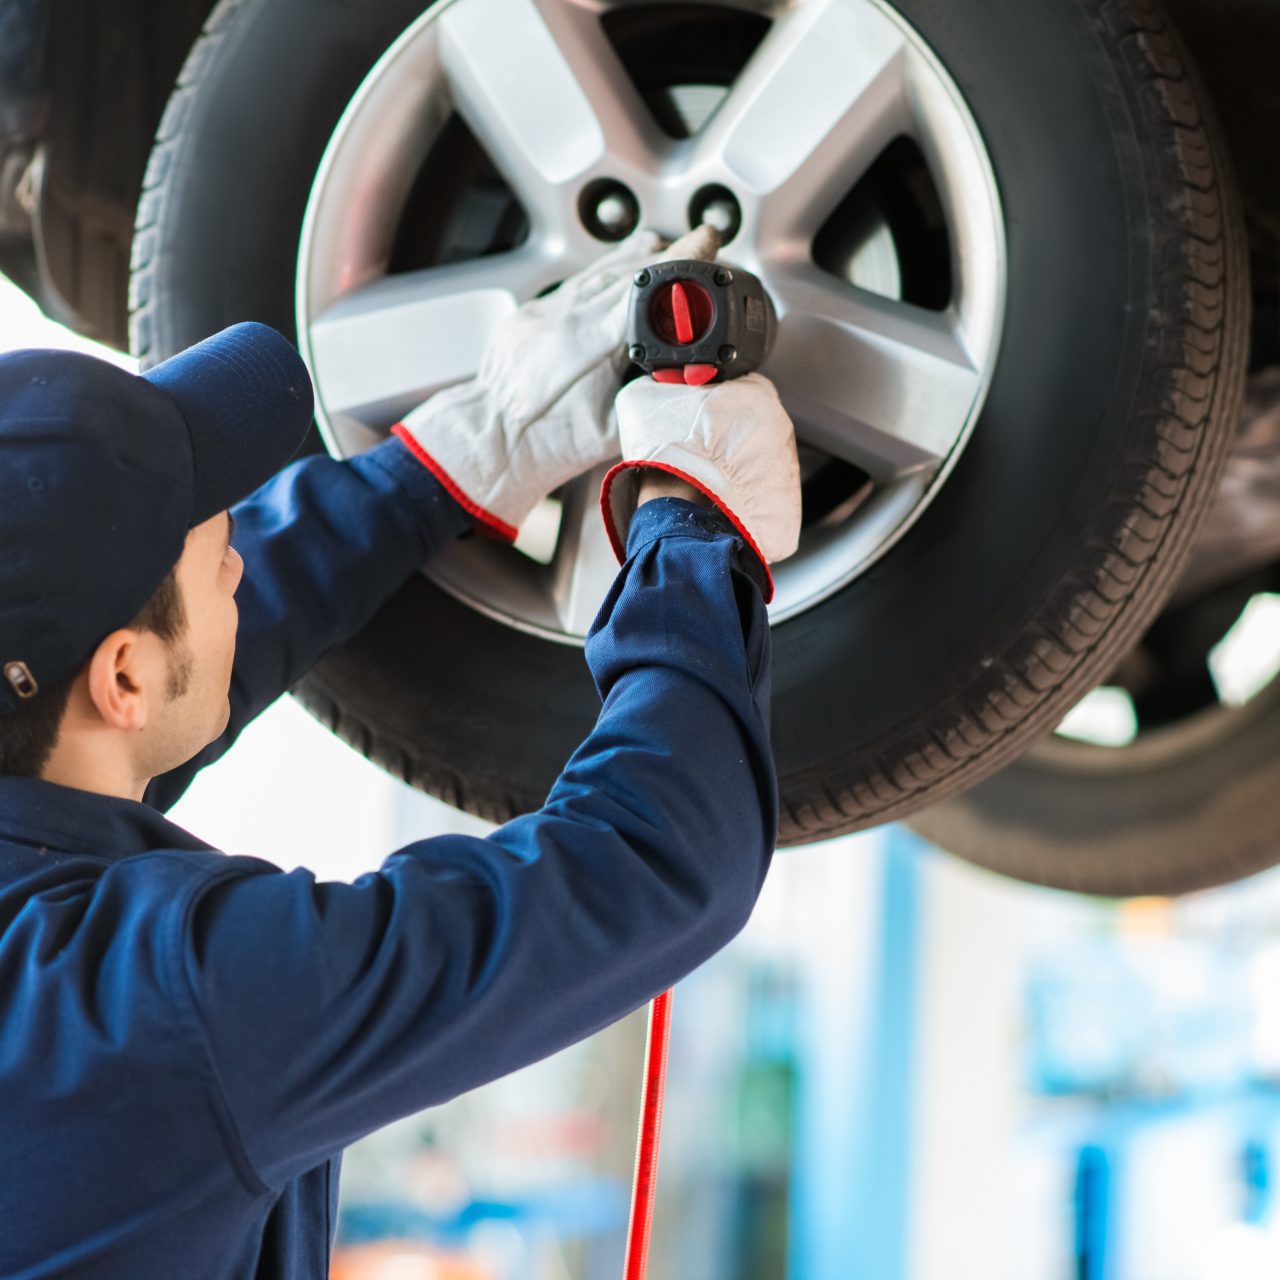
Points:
[[1104, 717], [1247, 658], [23, 324], [540, 531]]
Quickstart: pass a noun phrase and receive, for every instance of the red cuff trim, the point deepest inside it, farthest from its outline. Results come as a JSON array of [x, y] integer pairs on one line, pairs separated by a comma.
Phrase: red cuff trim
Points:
[[619, 547], [489, 523], [606, 510]]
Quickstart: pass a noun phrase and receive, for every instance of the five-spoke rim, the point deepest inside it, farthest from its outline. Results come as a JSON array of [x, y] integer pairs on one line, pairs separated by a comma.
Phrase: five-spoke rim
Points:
[[891, 387]]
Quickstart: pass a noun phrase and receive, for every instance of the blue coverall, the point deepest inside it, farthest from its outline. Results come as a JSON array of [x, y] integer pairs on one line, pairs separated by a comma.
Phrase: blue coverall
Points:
[[188, 1040]]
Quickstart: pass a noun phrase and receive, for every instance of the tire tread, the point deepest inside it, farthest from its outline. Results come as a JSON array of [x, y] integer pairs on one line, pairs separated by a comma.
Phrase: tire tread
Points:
[[1174, 461]]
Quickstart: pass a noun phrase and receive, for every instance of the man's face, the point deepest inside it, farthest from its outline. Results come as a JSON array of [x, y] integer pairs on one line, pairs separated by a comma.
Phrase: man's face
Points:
[[208, 574]]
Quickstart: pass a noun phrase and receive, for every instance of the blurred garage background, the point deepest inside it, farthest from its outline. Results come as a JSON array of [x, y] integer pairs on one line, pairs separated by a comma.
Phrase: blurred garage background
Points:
[[905, 1067]]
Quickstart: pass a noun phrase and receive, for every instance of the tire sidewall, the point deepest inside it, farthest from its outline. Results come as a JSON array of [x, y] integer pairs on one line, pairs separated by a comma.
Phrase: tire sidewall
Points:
[[1189, 821]]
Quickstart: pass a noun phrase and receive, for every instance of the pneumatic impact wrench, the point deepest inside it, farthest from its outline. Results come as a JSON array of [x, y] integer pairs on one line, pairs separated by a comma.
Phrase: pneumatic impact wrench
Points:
[[692, 321]]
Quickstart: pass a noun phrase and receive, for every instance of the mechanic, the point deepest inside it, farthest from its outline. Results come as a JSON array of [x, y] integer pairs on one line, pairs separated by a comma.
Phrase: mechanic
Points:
[[189, 1040]]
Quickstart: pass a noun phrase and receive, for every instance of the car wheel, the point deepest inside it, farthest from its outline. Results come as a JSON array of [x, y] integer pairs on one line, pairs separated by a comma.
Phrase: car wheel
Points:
[[1167, 778], [1010, 275]]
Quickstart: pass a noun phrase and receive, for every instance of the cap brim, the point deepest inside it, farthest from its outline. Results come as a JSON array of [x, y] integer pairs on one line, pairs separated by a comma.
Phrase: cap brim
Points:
[[245, 395]]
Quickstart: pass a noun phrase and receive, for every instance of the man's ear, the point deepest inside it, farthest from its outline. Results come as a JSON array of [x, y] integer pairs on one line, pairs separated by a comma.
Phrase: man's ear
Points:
[[117, 681]]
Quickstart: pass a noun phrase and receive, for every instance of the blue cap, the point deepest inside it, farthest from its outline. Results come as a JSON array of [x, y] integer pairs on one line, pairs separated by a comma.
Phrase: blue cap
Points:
[[103, 472]]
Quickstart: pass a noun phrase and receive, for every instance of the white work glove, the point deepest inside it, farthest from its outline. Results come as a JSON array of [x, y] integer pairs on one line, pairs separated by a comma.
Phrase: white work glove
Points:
[[733, 441], [540, 410]]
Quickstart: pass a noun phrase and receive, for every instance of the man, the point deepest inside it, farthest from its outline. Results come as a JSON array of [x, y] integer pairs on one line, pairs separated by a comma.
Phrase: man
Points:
[[189, 1040]]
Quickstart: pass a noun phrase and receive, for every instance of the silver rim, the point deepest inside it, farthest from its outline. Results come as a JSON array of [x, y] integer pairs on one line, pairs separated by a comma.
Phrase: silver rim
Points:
[[888, 386]]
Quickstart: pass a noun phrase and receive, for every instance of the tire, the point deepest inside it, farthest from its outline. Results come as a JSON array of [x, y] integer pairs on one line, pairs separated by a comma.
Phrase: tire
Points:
[[1202, 814], [1041, 561], [1189, 796]]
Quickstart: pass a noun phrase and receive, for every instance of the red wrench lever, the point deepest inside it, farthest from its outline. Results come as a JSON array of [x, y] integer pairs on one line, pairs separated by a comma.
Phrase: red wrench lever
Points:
[[680, 312], [682, 322]]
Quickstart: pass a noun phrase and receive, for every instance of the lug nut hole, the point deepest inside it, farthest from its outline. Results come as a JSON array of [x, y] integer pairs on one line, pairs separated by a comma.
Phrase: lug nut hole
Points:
[[717, 206], [609, 209]]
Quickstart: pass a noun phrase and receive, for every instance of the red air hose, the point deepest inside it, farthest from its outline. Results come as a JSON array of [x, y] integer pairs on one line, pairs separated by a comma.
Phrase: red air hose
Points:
[[655, 1079]]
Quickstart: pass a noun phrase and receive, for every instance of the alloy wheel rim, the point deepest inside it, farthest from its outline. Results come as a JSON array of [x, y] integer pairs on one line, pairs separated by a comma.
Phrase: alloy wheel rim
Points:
[[889, 387]]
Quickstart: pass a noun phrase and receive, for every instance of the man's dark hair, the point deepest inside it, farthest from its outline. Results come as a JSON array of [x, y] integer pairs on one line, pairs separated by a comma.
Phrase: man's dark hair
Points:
[[29, 734]]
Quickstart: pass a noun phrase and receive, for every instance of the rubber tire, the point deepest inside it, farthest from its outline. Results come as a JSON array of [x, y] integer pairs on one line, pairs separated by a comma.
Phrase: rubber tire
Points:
[[1048, 551], [1190, 820]]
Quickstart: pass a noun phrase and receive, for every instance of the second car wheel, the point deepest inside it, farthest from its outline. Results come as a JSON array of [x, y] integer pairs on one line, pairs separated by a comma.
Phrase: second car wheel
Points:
[[1010, 278], [1167, 778]]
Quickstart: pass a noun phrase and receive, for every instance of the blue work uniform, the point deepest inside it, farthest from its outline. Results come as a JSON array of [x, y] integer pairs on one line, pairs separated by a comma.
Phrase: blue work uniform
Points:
[[188, 1040]]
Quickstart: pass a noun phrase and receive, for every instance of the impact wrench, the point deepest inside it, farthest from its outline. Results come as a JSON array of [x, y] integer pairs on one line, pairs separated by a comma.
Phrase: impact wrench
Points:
[[688, 322]]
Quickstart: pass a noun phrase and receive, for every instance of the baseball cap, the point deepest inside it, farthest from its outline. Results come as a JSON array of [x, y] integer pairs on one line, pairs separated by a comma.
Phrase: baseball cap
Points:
[[103, 472]]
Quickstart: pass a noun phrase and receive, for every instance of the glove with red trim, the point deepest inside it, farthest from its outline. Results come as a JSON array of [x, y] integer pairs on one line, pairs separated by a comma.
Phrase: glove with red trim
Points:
[[540, 410], [733, 441]]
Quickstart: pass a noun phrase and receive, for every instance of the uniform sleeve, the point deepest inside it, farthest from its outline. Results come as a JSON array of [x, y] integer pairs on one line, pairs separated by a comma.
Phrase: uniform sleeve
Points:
[[332, 1009], [325, 544]]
